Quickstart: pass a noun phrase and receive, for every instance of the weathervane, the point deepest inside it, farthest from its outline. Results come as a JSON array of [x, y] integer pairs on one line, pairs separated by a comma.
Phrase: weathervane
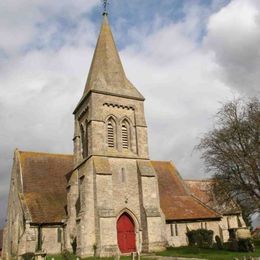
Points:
[[105, 5]]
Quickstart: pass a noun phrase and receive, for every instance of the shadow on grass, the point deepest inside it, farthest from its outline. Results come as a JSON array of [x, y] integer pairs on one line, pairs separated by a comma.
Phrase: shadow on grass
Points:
[[211, 254]]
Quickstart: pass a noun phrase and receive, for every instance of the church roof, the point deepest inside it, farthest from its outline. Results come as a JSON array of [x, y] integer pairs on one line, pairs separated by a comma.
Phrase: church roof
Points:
[[177, 203], [204, 191], [106, 74], [44, 185]]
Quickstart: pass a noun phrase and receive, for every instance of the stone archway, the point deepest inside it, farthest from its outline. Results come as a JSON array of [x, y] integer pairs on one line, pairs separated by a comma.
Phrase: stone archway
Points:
[[126, 234]]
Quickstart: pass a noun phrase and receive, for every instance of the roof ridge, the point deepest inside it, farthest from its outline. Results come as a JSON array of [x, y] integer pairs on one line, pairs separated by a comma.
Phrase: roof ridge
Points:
[[44, 153], [200, 180], [161, 161]]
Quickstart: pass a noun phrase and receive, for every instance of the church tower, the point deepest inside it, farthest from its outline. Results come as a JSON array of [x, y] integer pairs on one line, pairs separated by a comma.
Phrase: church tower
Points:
[[113, 200]]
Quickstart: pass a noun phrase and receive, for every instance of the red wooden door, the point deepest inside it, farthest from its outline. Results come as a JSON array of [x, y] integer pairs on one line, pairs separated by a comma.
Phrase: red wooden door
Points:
[[126, 234]]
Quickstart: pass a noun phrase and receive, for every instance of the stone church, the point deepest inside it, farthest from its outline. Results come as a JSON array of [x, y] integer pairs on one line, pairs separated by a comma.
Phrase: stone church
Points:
[[108, 197]]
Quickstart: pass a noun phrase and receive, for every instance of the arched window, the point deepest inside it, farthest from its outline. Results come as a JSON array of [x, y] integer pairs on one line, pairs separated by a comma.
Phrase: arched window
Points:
[[125, 134], [111, 132], [86, 139], [82, 137]]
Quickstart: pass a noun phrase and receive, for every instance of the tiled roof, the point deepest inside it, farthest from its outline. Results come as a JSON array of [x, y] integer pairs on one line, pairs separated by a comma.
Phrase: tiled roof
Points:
[[204, 191], [1, 239], [44, 185], [175, 199]]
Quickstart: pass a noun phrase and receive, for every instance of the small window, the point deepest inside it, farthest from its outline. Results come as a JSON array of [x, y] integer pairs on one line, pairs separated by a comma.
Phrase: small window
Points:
[[111, 133], [81, 192], [204, 225], [124, 137], [86, 139], [123, 177], [82, 137], [125, 134], [59, 235], [174, 230]]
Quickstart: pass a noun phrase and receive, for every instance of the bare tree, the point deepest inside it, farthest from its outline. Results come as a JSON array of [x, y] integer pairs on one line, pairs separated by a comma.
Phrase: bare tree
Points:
[[231, 152]]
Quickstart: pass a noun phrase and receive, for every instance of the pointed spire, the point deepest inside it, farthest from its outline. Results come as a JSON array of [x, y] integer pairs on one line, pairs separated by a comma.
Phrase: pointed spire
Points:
[[106, 74]]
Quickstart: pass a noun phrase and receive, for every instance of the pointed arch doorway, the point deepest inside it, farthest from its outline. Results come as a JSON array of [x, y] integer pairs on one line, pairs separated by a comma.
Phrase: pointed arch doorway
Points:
[[126, 234]]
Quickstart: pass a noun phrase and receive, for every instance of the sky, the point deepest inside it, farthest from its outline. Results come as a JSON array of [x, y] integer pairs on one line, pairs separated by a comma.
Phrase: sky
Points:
[[186, 57]]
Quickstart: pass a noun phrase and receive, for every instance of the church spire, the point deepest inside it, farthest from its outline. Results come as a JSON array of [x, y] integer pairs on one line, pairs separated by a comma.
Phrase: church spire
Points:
[[106, 74]]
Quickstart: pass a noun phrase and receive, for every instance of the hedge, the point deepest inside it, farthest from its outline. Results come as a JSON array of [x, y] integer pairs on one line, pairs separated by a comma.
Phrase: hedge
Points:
[[201, 238]]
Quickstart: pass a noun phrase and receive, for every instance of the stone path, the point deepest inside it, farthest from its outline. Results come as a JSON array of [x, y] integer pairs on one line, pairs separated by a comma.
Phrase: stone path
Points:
[[154, 257], [171, 258], [182, 258]]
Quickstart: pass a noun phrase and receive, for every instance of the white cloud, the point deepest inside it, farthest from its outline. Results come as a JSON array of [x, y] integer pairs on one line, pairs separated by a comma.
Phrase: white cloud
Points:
[[182, 80], [182, 93], [20, 21], [234, 38]]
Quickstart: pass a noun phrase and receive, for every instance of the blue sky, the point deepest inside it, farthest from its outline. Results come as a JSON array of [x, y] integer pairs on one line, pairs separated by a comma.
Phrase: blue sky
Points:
[[186, 57], [125, 16]]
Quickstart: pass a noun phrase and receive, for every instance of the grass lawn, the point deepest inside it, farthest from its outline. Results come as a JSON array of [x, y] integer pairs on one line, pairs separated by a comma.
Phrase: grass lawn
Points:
[[60, 257], [187, 251], [212, 254]]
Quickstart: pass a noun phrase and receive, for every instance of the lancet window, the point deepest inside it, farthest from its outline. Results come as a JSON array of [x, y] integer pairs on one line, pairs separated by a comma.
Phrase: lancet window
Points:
[[111, 132], [125, 134], [84, 139]]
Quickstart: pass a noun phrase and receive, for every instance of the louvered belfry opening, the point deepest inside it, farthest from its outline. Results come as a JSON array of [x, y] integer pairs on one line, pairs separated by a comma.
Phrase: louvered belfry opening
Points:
[[110, 134], [125, 142]]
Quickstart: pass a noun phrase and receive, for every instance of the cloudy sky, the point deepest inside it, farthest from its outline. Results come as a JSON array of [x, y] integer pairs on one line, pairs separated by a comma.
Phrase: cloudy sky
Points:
[[186, 57]]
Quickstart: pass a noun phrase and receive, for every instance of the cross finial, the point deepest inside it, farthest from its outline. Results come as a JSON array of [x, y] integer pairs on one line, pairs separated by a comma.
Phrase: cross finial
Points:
[[105, 5]]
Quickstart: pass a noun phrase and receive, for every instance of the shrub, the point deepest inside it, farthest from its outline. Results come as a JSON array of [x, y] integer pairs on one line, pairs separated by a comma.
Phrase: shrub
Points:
[[68, 256], [246, 245], [200, 237], [232, 245]]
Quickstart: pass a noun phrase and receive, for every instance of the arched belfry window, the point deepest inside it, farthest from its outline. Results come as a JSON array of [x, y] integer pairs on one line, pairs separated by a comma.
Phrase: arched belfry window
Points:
[[86, 139], [111, 132], [125, 128], [82, 137]]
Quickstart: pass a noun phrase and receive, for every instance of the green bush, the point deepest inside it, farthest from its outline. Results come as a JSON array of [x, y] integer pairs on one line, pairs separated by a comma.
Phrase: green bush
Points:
[[246, 245], [68, 256], [256, 242], [232, 245], [241, 245], [201, 238]]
